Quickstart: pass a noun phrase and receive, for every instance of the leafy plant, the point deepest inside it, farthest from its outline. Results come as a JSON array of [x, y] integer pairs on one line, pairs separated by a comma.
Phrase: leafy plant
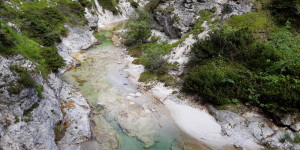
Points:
[[24, 77], [284, 11], [138, 28], [296, 139], [231, 64]]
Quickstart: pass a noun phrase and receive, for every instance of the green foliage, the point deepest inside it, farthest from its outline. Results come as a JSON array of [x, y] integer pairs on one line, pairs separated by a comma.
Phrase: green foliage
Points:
[[17, 119], [288, 46], [138, 27], [6, 38], [110, 5], [153, 59], [215, 81], [262, 77], [39, 89], [169, 80], [237, 45], [153, 4], [204, 16], [296, 139], [42, 23], [258, 23], [73, 12], [146, 77], [47, 57], [85, 3], [284, 11], [52, 59], [134, 4], [24, 77]]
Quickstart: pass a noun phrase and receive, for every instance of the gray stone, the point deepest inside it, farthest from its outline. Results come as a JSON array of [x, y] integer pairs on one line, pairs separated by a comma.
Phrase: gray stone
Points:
[[286, 120], [296, 126]]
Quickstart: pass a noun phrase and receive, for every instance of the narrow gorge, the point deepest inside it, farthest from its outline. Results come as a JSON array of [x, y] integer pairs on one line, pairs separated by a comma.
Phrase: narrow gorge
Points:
[[117, 74]]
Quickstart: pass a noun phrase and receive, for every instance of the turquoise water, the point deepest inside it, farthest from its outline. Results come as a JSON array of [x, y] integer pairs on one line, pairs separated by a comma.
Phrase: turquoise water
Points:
[[164, 141], [95, 85]]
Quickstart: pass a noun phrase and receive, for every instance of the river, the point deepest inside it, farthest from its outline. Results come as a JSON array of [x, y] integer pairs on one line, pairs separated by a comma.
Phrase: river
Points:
[[123, 117]]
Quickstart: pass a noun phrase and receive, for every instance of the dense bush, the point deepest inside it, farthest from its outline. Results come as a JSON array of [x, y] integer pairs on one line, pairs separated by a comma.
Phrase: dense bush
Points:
[[52, 58], [153, 60], [260, 24], [73, 11], [6, 38], [237, 45], [42, 23], [288, 46], [231, 65], [215, 81], [288, 10], [138, 27]]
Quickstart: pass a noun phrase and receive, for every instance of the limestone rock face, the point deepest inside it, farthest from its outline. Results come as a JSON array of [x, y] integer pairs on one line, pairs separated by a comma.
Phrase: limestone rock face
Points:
[[250, 127], [28, 122], [76, 110], [176, 18], [79, 38]]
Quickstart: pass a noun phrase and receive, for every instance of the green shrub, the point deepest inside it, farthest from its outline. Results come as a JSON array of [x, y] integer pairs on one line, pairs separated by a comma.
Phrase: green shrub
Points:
[[138, 27], [260, 24], [204, 16], [24, 77], [52, 58], [134, 4], [284, 11], [153, 60], [215, 81], [39, 89], [73, 11], [288, 46], [6, 38], [269, 148], [238, 45], [296, 139], [43, 24], [214, 74], [147, 77]]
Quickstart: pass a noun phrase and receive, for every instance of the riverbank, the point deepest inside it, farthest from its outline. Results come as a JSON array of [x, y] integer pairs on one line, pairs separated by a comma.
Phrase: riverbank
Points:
[[123, 116]]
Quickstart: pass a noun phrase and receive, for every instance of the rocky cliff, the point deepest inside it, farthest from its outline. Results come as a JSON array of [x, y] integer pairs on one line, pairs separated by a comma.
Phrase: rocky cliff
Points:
[[57, 116]]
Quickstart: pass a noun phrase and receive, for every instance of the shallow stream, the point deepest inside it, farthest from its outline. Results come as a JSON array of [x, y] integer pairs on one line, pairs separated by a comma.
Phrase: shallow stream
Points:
[[123, 117]]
